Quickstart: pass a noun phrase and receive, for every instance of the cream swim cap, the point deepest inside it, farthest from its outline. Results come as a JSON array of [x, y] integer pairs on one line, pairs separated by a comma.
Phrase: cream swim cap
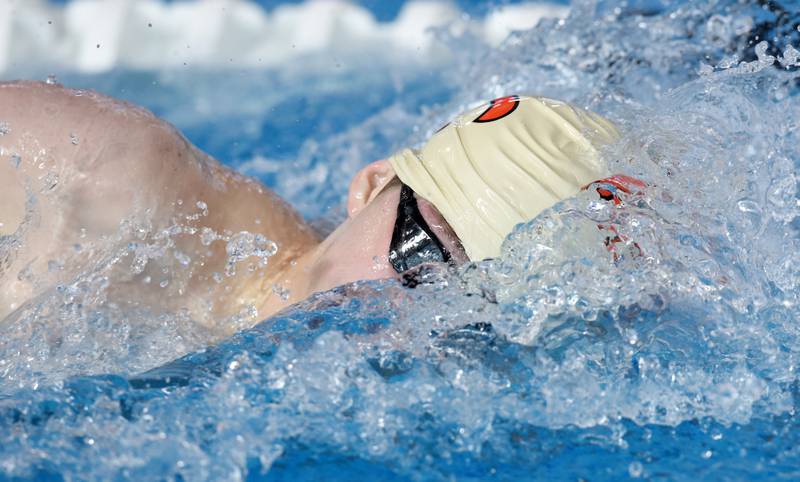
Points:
[[503, 163]]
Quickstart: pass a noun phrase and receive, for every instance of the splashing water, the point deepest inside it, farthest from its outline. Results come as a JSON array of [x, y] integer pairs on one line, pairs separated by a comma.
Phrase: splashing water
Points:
[[670, 352]]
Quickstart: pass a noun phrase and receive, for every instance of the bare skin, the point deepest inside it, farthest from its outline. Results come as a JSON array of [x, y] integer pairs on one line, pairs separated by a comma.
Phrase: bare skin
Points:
[[90, 184], [89, 162]]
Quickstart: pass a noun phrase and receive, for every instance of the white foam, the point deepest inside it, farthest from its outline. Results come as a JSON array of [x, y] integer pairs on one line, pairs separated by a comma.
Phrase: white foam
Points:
[[502, 21], [99, 35]]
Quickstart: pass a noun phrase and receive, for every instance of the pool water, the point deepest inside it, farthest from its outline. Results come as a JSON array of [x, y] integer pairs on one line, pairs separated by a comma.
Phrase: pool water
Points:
[[675, 357]]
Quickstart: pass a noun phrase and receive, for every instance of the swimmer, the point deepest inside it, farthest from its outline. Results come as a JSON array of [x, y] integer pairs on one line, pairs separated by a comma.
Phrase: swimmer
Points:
[[90, 181]]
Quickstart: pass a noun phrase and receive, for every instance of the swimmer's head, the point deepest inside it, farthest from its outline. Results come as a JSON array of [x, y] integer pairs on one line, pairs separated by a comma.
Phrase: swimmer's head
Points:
[[503, 163], [461, 194]]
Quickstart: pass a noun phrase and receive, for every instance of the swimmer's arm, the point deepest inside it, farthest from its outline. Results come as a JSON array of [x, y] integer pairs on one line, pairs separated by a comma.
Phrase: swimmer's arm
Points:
[[91, 161], [111, 157]]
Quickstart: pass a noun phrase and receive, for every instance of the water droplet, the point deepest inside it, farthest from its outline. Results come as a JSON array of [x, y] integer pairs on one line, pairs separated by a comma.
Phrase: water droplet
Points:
[[761, 53], [635, 469], [50, 181], [243, 245], [791, 57], [208, 236], [282, 292], [182, 258]]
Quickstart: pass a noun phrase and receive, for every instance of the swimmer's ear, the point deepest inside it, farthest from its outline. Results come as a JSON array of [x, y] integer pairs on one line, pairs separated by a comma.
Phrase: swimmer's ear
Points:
[[367, 184]]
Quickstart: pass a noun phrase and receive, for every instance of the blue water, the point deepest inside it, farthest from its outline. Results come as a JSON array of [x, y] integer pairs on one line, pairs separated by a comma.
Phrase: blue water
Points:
[[553, 362]]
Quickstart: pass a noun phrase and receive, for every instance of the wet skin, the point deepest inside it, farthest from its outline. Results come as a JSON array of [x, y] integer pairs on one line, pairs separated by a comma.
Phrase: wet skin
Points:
[[82, 176]]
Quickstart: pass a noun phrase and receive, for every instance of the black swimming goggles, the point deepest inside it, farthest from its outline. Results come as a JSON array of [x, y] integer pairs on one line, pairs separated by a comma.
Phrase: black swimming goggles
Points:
[[413, 241]]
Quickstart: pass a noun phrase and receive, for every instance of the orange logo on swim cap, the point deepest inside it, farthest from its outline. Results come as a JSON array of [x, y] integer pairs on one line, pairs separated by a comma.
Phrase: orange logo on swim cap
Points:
[[499, 108]]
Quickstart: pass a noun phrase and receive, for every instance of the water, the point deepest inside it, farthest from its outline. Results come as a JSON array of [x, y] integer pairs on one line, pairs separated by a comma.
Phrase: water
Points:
[[672, 358]]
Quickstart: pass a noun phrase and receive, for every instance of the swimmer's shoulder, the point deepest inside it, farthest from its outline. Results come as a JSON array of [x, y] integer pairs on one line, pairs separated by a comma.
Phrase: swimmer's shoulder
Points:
[[63, 120], [56, 100]]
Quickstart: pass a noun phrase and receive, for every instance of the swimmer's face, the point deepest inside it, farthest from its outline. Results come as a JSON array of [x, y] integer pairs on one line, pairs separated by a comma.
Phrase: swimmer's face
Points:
[[359, 248]]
